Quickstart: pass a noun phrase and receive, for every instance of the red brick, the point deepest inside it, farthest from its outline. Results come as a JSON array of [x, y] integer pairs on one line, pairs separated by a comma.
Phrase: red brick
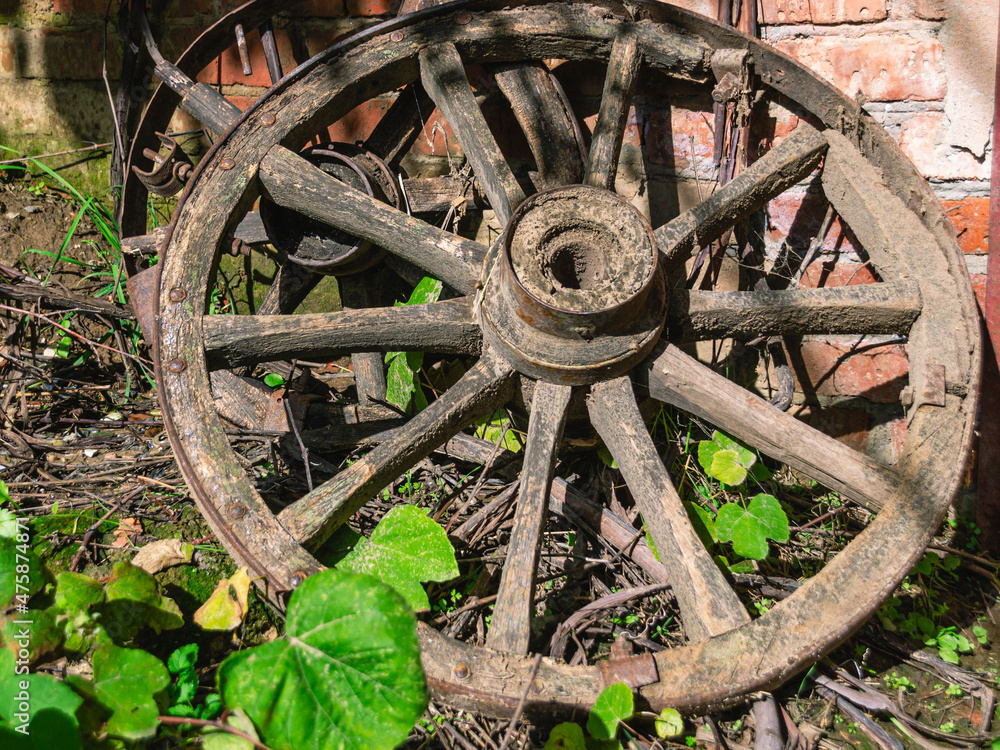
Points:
[[831, 369], [317, 9], [372, 7], [357, 124], [849, 426], [798, 218], [677, 138], [827, 274], [823, 11], [889, 68], [78, 6], [971, 219], [931, 10], [708, 8]]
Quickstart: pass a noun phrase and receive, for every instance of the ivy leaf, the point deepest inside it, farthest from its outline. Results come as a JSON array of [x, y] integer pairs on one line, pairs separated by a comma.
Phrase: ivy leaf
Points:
[[125, 682], [615, 704], [726, 467], [747, 457], [725, 459], [45, 635], [749, 528], [18, 566], [669, 724], [347, 675], [50, 715], [228, 604], [76, 592], [133, 600], [405, 549], [566, 736]]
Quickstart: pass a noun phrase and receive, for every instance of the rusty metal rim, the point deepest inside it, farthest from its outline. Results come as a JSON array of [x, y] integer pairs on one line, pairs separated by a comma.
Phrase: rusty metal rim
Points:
[[764, 637]]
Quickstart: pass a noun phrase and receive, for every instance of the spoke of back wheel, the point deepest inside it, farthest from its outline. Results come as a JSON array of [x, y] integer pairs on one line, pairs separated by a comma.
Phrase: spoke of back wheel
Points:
[[680, 380], [294, 183], [358, 293], [446, 327], [619, 83], [443, 76], [709, 607], [788, 163], [510, 628], [270, 51], [482, 389], [545, 118], [884, 308], [398, 129], [289, 287]]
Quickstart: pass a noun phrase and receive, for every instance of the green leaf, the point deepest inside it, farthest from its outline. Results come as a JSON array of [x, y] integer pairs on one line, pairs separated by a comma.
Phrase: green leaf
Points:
[[615, 704], [747, 457], [21, 572], [703, 523], [8, 524], [608, 460], [217, 739], [274, 380], [183, 659], [405, 549], [566, 736], [76, 592], [669, 724], [981, 634], [749, 528], [496, 426], [706, 454], [402, 385], [4, 492], [948, 655], [726, 467], [125, 682], [133, 600], [45, 635], [347, 675], [50, 710]]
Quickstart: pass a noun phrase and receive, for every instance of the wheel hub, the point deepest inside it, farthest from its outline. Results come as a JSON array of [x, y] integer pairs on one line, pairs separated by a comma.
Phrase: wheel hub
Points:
[[574, 292]]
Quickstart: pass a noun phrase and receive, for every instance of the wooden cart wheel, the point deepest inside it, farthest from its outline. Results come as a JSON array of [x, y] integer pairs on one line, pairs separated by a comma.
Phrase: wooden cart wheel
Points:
[[572, 298]]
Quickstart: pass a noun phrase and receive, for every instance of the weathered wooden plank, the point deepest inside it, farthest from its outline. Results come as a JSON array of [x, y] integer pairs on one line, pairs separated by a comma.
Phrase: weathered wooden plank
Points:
[[709, 607], [481, 390], [448, 327], [443, 76], [398, 129], [510, 629], [293, 182], [546, 119], [789, 162], [884, 308], [680, 380], [427, 194], [619, 83]]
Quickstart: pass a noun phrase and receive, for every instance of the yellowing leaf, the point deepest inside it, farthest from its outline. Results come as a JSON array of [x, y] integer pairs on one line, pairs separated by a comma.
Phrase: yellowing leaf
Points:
[[227, 606]]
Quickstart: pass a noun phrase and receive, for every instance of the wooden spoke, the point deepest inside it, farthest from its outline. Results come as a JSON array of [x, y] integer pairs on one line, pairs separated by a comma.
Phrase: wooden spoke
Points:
[[678, 379], [786, 164], [357, 293], [289, 287], [448, 327], [708, 606], [443, 76], [546, 119], [482, 389], [510, 629], [619, 83], [866, 308], [293, 182], [400, 126]]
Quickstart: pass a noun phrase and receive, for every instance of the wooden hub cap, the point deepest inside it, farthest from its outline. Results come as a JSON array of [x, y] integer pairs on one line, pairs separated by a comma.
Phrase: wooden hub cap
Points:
[[573, 292]]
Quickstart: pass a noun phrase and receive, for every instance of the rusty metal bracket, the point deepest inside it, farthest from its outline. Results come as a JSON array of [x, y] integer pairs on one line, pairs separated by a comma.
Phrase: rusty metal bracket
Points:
[[930, 389], [170, 172]]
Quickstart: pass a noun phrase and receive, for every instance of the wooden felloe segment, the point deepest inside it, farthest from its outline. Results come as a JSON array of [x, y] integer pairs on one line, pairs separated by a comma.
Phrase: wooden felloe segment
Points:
[[606, 145], [480, 391], [709, 607], [680, 380], [510, 628], [890, 307], [443, 75], [294, 183], [789, 162]]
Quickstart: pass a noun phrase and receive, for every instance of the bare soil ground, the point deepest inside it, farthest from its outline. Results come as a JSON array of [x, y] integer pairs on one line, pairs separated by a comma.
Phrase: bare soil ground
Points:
[[83, 453]]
